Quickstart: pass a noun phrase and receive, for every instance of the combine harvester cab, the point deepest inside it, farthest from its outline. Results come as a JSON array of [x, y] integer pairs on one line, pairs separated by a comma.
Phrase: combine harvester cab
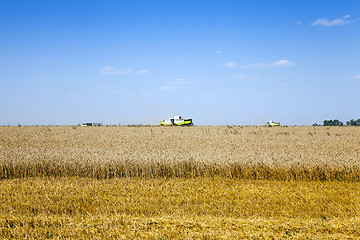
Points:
[[177, 121], [273, 124]]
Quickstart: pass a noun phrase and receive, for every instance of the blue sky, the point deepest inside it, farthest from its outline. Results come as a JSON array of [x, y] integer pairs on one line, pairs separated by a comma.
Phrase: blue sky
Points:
[[218, 62]]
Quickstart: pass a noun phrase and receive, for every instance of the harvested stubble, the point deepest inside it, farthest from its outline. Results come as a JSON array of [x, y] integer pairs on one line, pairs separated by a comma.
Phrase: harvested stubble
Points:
[[178, 208], [282, 153]]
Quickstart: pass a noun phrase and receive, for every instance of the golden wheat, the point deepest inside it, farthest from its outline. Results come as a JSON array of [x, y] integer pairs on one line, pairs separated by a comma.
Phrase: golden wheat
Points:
[[179, 182], [178, 208], [282, 153]]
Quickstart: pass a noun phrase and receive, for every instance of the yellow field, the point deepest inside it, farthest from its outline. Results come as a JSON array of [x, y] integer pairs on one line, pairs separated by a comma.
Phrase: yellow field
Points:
[[179, 182], [282, 153]]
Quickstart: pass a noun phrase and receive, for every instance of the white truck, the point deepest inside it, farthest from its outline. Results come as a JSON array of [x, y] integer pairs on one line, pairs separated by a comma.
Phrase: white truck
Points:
[[177, 121]]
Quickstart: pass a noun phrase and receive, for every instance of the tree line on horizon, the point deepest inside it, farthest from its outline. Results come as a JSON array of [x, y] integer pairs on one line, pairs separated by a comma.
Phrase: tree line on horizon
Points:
[[336, 122]]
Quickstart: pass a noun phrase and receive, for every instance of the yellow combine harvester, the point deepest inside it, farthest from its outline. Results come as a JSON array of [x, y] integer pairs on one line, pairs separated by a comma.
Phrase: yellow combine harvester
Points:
[[177, 121], [273, 124]]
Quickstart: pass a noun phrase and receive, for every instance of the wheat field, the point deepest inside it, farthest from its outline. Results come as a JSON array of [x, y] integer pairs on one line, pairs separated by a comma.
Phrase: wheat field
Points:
[[202, 182], [282, 153]]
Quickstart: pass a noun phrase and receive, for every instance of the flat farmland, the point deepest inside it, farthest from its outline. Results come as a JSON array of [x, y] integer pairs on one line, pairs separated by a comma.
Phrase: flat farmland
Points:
[[281, 153], [201, 182]]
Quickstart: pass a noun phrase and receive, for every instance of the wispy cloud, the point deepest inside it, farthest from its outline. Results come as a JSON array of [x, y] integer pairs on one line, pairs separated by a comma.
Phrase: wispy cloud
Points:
[[279, 63], [230, 65], [283, 63], [219, 52], [116, 71], [336, 22], [357, 76], [174, 84], [179, 81], [168, 87]]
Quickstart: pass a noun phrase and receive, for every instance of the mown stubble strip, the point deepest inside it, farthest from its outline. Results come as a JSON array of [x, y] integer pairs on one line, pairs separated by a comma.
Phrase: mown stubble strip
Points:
[[197, 208]]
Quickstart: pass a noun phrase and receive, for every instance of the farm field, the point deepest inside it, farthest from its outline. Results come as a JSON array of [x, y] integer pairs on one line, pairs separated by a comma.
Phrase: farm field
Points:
[[197, 182]]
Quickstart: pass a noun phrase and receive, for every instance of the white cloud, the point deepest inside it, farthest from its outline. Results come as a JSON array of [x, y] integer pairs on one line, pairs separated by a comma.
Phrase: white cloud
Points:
[[279, 63], [177, 83], [283, 63], [219, 52], [357, 76], [168, 87], [298, 22], [230, 65], [116, 71], [336, 22]]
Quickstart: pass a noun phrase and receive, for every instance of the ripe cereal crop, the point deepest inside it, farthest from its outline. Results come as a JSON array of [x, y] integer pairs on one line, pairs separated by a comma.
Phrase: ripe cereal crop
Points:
[[282, 153], [202, 182]]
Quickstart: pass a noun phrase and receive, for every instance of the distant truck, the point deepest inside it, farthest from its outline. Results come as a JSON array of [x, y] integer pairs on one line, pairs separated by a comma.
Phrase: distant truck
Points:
[[273, 124], [177, 121]]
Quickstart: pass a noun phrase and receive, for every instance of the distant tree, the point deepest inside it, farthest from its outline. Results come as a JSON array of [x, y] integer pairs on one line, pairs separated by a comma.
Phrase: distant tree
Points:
[[334, 122], [353, 122]]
